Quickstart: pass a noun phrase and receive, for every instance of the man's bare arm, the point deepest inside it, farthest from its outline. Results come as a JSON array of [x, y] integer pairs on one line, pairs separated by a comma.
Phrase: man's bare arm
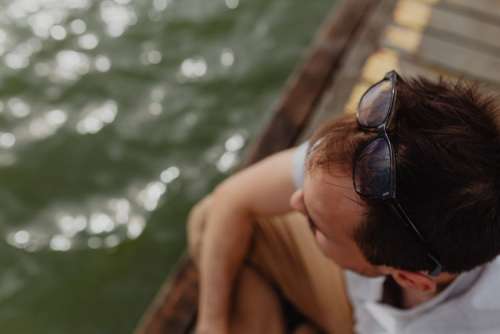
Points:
[[263, 189]]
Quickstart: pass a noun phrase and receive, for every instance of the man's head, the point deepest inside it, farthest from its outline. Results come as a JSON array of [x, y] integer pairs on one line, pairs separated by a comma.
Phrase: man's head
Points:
[[446, 139]]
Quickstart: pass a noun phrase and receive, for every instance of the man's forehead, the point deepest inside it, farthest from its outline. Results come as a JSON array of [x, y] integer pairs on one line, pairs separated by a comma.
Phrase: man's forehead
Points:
[[331, 194], [326, 185]]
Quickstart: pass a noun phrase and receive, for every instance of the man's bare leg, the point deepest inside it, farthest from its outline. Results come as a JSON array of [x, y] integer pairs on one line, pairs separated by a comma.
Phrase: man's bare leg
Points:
[[256, 308]]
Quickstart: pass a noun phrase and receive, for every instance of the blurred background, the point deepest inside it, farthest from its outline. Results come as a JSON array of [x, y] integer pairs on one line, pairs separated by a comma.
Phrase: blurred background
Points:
[[115, 117]]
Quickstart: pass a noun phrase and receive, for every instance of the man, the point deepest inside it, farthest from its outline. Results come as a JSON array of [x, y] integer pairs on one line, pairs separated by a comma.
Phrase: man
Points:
[[398, 222]]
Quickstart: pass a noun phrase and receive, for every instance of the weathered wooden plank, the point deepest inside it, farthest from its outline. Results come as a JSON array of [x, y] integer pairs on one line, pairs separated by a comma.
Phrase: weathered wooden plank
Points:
[[418, 15], [489, 9], [365, 44], [383, 61], [448, 55], [173, 309]]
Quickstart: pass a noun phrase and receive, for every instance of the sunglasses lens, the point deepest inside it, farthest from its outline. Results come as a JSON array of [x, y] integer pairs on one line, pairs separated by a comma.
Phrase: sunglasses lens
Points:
[[375, 104], [372, 170]]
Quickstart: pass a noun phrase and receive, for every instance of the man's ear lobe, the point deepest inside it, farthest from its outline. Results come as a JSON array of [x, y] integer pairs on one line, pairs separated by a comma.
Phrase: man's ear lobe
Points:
[[414, 280]]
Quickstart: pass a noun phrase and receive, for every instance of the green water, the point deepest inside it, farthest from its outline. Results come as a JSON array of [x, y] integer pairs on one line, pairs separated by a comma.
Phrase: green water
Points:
[[115, 117]]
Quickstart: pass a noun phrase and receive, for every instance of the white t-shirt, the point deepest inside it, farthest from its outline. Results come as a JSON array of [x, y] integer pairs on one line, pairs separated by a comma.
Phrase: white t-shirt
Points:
[[470, 304]]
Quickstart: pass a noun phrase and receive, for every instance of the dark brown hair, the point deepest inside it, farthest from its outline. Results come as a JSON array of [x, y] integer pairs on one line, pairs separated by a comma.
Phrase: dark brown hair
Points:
[[447, 144]]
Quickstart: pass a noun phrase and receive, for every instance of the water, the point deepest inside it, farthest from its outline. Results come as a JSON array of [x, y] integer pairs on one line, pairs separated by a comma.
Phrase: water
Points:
[[115, 117]]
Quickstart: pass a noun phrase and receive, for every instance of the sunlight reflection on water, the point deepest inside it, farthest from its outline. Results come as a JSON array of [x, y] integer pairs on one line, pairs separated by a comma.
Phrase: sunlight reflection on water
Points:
[[99, 220], [115, 116]]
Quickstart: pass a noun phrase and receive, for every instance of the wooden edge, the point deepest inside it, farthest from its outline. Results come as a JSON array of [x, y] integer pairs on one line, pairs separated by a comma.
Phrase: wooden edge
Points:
[[174, 308], [305, 87], [365, 43]]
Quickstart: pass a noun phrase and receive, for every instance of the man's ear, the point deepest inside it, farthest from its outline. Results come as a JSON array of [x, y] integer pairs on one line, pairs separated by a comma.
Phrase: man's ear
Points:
[[414, 280]]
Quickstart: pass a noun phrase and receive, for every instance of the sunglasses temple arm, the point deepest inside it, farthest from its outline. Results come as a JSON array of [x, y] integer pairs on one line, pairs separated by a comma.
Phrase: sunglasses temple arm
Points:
[[401, 212], [438, 268]]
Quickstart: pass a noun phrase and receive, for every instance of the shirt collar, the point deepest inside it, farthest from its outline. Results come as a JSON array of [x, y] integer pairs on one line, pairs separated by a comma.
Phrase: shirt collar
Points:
[[485, 294], [368, 291]]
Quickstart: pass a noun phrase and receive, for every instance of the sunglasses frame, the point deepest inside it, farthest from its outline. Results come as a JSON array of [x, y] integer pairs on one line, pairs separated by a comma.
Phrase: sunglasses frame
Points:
[[390, 196]]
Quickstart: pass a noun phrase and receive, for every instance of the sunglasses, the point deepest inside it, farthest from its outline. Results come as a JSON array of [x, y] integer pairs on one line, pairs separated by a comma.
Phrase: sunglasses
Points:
[[374, 167]]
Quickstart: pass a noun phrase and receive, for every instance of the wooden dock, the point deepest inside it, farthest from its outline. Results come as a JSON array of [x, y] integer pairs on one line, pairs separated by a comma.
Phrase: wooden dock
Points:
[[356, 45]]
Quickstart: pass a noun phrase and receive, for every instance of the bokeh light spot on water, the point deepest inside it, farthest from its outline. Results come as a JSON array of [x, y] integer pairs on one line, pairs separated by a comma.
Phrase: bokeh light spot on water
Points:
[[88, 41], [235, 143], [47, 15], [97, 223], [78, 26], [7, 140], [151, 57], [227, 57], [56, 117], [39, 129], [102, 63], [232, 4], [230, 157], [121, 207], [70, 65], [193, 68], [60, 243], [18, 57], [48, 124], [135, 227], [150, 196], [70, 226], [170, 174], [154, 57], [58, 32], [112, 241], [160, 5], [95, 118], [227, 161], [16, 61], [100, 223], [18, 107], [155, 108], [117, 17], [21, 238]]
